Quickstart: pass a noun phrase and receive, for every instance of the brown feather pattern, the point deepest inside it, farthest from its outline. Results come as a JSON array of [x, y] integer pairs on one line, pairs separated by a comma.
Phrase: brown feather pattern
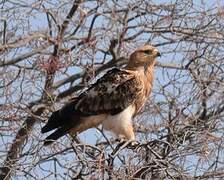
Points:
[[116, 90]]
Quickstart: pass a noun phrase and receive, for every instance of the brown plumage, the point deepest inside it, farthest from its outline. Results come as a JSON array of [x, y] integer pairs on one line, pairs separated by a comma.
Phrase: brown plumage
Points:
[[112, 101]]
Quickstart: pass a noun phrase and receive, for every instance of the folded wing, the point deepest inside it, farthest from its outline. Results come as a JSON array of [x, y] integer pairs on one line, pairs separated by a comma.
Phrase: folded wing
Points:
[[111, 94]]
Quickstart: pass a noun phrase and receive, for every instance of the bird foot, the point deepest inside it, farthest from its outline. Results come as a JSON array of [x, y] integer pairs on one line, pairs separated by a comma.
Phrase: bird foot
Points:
[[125, 142], [134, 143], [120, 140]]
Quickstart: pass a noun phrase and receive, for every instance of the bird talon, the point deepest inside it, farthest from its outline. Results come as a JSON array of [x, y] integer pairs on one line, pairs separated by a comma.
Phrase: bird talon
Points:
[[120, 140], [134, 143], [131, 143]]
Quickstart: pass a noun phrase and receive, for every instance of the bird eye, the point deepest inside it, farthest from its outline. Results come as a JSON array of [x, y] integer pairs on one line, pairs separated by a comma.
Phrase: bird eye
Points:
[[148, 52]]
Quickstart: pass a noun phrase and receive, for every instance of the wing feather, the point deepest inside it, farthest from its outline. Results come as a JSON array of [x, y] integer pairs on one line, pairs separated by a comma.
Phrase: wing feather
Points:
[[112, 93]]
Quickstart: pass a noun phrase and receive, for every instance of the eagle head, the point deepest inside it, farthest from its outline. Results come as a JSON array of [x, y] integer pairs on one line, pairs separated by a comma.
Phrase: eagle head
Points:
[[143, 56]]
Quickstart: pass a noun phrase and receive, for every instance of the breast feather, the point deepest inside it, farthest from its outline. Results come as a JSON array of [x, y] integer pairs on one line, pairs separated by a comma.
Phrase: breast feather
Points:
[[118, 123]]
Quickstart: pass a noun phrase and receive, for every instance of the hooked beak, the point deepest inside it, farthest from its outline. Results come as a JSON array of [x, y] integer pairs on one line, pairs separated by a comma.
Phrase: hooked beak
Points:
[[158, 54]]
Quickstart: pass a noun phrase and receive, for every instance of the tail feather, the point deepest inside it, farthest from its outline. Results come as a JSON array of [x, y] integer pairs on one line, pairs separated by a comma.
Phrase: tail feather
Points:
[[55, 135], [53, 122], [61, 121]]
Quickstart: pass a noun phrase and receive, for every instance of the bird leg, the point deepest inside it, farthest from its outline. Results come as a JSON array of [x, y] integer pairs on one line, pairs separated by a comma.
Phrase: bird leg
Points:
[[122, 141]]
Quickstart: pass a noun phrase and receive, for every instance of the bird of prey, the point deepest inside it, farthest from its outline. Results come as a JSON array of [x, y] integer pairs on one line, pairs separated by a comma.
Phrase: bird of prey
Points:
[[113, 101]]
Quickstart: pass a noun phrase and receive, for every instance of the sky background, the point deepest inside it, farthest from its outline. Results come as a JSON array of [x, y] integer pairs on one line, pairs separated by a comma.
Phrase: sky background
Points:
[[38, 22]]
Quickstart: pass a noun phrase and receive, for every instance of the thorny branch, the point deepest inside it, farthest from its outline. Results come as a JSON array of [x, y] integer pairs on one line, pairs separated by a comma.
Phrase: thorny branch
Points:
[[50, 52]]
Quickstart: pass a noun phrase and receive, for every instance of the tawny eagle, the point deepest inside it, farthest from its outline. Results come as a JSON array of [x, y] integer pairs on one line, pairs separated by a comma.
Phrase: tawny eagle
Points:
[[112, 101]]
